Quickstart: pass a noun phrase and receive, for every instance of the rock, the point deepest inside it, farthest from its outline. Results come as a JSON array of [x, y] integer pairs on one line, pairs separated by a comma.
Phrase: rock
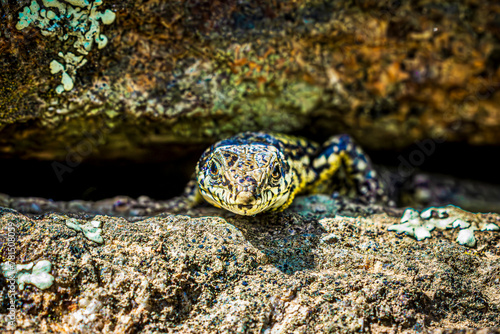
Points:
[[273, 273], [163, 76]]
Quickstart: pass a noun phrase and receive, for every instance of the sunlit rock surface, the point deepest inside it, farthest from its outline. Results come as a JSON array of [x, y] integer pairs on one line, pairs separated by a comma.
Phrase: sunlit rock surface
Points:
[[273, 274]]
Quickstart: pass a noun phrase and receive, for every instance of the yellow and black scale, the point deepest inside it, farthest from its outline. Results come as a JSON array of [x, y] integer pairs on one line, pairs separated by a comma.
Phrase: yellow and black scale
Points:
[[254, 172]]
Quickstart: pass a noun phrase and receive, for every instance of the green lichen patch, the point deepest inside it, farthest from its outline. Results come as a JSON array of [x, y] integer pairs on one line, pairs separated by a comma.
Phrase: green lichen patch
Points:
[[76, 20], [420, 225], [36, 274], [91, 230]]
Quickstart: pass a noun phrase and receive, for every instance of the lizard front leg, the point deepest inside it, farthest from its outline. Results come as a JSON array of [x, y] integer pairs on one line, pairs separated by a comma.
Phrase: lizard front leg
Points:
[[189, 198]]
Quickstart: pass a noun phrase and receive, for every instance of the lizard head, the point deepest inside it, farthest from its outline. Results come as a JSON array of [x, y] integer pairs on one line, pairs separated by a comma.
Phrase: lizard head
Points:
[[244, 179]]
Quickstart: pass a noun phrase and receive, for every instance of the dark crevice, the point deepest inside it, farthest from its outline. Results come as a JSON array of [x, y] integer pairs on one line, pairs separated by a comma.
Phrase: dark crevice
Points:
[[95, 180]]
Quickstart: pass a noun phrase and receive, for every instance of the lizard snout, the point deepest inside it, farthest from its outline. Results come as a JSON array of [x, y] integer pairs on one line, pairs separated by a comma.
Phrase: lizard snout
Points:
[[245, 198]]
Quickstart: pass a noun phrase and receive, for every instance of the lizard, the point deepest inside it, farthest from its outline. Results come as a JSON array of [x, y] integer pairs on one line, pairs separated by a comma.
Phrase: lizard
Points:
[[255, 172]]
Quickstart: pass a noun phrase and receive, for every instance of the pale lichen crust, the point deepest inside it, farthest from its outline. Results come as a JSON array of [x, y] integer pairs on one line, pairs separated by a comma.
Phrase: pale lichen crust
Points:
[[77, 19], [419, 225], [35, 274], [91, 230]]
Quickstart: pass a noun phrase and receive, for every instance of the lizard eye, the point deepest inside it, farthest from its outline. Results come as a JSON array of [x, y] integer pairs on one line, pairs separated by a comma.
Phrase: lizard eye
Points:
[[214, 169], [276, 171]]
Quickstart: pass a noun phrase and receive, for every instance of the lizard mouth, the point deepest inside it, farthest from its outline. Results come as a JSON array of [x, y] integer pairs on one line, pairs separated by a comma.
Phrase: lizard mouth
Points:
[[244, 209], [249, 206]]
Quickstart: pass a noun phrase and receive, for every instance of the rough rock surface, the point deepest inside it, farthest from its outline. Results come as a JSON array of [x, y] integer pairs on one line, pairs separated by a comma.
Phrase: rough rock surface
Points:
[[388, 73], [277, 273]]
